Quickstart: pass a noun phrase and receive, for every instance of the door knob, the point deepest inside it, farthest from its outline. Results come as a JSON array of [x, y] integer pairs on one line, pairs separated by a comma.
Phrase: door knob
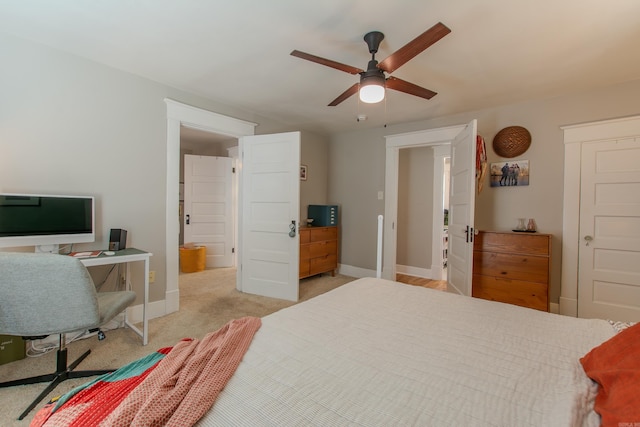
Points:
[[292, 229], [588, 239], [188, 217]]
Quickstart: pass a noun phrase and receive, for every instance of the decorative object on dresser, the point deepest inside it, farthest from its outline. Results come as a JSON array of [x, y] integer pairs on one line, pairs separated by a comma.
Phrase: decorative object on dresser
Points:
[[318, 250], [513, 268]]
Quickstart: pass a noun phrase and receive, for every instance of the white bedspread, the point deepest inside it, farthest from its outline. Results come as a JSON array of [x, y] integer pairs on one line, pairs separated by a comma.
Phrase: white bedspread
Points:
[[380, 353]]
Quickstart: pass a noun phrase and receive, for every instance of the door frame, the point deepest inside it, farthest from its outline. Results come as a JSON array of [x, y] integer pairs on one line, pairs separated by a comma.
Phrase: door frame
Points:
[[179, 114], [394, 143], [574, 137]]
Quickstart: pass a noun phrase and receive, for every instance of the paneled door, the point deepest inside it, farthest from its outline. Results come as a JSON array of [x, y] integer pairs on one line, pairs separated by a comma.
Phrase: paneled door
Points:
[[208, 214], [270, 194], [462, 197], [609, 247]]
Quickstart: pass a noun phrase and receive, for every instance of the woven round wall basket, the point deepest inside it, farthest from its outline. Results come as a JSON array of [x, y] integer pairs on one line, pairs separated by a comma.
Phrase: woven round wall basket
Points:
[[511, 141]]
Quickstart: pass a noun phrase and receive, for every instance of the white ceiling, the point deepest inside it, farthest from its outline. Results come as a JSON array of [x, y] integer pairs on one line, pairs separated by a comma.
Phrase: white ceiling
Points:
[[237, 52]]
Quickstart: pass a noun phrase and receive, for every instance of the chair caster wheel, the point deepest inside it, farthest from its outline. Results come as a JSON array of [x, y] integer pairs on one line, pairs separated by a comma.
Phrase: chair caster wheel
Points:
[[101, 335]]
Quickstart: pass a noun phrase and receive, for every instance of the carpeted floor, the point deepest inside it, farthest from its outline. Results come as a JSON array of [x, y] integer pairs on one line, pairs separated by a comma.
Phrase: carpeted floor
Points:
[[207, 301]]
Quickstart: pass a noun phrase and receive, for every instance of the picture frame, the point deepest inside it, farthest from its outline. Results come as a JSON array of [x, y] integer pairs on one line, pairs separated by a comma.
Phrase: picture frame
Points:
[[303, 172], [509, 173]]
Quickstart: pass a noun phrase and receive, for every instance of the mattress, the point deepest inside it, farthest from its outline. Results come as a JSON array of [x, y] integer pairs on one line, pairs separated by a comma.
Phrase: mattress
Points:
[[380, 353]]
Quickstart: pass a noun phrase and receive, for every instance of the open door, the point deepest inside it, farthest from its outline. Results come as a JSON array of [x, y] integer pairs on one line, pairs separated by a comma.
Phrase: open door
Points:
[[462, 192], [270, 200], [208, 219]]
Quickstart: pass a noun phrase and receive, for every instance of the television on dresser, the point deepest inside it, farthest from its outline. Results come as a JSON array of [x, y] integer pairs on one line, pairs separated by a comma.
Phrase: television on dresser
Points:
[[46, 221]]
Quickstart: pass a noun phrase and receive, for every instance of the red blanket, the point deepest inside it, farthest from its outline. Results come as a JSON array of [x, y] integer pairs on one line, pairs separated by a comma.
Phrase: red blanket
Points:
[[175, 391]]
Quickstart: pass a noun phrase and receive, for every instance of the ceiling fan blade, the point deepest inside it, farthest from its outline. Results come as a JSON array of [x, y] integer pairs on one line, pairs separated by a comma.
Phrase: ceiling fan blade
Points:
[[406, 87], [344, 95], [414, 47], [329, 63]]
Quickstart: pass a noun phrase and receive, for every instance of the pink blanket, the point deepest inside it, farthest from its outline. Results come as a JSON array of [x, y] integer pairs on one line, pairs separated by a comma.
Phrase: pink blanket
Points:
[[177, 391]]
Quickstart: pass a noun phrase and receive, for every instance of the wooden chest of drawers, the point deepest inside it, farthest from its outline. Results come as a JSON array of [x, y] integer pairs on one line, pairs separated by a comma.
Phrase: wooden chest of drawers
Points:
[[513, 268], [318, 250]]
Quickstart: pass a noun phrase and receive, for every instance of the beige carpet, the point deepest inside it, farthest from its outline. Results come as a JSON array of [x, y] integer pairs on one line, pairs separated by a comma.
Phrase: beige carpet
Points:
[[207, 301]]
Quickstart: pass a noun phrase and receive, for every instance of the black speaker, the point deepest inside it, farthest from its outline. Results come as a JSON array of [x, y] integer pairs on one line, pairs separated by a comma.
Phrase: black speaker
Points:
[[117, 239]]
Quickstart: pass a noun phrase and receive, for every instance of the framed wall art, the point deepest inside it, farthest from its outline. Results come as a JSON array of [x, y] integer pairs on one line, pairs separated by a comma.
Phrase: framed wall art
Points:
[[510, 173]]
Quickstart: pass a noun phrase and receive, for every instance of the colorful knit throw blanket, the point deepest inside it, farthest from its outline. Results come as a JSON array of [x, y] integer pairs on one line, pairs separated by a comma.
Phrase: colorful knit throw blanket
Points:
[[174, 386]]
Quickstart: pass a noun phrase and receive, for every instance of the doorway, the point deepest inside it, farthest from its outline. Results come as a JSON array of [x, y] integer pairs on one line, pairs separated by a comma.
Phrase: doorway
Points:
[[423, 202], [181, 115], [462, 140]]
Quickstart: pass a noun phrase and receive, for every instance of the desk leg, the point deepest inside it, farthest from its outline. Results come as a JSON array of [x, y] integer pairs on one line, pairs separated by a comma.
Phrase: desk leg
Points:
[[145, 319]]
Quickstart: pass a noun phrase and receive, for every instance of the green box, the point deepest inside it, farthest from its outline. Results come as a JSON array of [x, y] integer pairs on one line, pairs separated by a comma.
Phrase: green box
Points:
[[12, 348]]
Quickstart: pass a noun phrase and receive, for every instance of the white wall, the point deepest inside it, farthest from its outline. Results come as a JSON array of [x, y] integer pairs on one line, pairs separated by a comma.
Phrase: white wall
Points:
[[314, 154], [415, 207]]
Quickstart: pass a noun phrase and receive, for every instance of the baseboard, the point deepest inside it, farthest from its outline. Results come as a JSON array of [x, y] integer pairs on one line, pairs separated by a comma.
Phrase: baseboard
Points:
[[414, 271], [554, 308], [155, 309], [358, 272]]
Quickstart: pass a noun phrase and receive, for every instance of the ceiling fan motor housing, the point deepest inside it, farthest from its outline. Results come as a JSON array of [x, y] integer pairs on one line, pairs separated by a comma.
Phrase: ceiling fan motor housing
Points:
[[373, 75], [373, 39]]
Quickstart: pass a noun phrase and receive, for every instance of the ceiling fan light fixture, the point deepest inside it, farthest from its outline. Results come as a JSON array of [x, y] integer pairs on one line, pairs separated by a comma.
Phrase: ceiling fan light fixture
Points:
[[372, 89]]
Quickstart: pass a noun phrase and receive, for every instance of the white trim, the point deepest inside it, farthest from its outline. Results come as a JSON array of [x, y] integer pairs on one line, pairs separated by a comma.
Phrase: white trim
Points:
[[574, 137], [154, 309], [623, 127], [351, 271], [423, 273], [179, 114], [440, 152], [430, 137]]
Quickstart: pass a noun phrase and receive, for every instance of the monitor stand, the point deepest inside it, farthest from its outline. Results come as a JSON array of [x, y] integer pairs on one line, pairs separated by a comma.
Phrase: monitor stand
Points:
[[52, 249]]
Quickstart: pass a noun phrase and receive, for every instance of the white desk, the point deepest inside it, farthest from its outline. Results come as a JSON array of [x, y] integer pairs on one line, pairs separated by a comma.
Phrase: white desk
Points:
[[127, 256]]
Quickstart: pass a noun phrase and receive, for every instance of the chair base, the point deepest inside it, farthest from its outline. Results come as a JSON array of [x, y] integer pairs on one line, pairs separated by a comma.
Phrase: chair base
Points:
[[62, 373]]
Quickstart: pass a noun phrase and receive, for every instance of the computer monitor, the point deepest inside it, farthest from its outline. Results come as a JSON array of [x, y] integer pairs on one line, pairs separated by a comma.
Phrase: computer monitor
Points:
[[46, 220]]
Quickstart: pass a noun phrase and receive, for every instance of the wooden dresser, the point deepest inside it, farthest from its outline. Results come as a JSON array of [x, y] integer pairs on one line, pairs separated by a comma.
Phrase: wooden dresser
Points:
[[513, 268], [318, 250]]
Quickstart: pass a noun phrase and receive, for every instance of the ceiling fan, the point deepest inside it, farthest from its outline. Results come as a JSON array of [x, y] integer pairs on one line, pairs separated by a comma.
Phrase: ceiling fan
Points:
[[371, 86]]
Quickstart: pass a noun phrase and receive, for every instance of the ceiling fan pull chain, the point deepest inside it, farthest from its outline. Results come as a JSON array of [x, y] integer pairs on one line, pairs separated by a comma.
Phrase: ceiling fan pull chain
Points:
[[385, 111]]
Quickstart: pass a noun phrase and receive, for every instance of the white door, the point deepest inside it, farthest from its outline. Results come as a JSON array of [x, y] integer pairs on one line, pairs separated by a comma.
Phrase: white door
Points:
[[609, 248], [461, 209], [269, 194], [208, 207]]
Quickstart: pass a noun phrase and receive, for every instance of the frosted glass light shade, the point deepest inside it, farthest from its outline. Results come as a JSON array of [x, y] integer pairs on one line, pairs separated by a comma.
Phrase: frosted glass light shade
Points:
[[371, 93]]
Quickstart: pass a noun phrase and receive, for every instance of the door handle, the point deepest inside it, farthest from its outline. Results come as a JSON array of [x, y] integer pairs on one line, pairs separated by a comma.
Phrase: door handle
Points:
[[469, 232], [588, 239], [292, 229], [188, 219]]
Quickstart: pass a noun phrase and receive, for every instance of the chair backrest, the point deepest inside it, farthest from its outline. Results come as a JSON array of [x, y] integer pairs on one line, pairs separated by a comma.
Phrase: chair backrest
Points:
[[43, 294]]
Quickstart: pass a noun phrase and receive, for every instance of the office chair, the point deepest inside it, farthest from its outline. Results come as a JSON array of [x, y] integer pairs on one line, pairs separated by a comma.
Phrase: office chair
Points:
[[46, 294]]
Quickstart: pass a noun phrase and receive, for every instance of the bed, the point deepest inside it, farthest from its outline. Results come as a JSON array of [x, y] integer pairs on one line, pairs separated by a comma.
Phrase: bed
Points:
[[380, 353]]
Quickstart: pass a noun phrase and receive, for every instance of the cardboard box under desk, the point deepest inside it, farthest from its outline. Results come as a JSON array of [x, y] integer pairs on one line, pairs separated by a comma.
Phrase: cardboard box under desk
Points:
[[12, 348]]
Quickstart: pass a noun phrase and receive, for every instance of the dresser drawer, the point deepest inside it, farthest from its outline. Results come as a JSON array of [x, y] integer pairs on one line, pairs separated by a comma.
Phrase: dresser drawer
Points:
[[305, 235], [304, 268], [324, 248], [512, 243], [322, 264], [324, 233], [517, 292], [515, 267], [305, 252]]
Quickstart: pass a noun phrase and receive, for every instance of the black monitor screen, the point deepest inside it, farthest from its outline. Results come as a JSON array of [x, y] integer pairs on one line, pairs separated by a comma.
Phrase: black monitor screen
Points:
[[24, 215]]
